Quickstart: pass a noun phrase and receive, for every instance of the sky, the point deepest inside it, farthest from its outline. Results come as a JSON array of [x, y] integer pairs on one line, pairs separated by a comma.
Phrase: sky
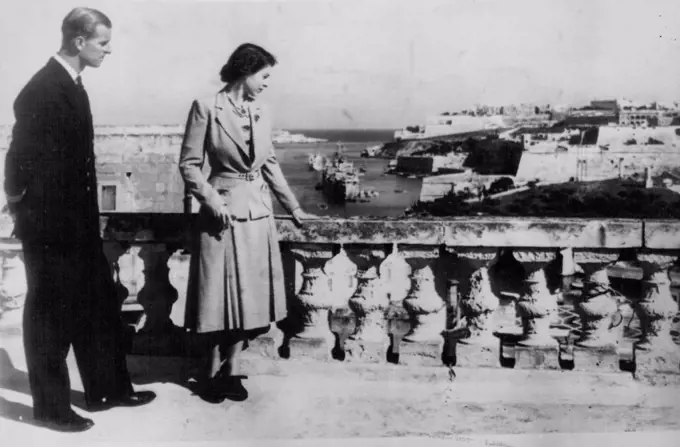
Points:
[[358, 63]]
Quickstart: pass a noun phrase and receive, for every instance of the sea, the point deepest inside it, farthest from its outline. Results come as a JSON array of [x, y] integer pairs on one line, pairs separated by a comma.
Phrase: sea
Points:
[[347, 135], [396, 193]]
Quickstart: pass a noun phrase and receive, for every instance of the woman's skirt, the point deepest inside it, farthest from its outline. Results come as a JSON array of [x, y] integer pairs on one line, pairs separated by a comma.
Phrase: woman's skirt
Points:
[[236, 278]]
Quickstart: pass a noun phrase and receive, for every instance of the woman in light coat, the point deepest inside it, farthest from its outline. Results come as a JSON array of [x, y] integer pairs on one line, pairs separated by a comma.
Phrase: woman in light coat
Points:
[[236, 285]]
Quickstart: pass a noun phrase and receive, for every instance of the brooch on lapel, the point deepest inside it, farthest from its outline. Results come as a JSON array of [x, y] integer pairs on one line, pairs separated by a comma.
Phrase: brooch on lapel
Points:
[[256, 114]]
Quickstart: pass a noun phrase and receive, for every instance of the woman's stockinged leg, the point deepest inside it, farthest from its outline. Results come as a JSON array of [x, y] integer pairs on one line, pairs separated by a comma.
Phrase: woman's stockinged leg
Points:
[[224, 355], [223, 369], [212, 345], [214, 360], [231, 385], [232, 361], [209, 389]]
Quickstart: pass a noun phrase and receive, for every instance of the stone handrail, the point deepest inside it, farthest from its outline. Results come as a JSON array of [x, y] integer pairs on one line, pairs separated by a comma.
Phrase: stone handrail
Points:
[[464, 291]]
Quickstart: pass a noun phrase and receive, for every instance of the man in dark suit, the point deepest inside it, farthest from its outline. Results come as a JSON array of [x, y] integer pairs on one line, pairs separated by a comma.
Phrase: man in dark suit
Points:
[[51, 188]]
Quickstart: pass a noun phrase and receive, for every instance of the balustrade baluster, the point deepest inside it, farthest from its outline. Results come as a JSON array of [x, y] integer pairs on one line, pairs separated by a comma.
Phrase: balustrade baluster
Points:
[[473, 338], [537, 306], [597, 348], [655, 351], [370, 340], [311, 335], [427, 309]]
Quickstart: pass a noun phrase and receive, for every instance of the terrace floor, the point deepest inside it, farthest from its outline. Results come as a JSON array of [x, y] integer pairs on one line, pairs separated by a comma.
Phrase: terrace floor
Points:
[[315, 403]]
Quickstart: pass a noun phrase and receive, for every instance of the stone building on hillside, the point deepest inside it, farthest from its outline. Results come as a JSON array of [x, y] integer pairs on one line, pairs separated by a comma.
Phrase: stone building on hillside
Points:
[[140, 183]]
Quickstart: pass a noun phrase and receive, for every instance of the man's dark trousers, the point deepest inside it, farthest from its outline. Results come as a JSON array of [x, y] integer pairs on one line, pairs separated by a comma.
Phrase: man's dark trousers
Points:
[[72, 302]]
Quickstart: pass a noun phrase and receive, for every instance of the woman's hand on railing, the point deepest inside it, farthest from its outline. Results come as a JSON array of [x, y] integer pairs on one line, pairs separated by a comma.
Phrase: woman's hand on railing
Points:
[[299, 216]]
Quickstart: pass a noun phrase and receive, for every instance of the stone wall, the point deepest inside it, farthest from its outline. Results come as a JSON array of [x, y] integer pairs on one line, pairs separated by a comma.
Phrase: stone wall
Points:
[[140, 161], [619, 151], [440, 185], [594, 163]]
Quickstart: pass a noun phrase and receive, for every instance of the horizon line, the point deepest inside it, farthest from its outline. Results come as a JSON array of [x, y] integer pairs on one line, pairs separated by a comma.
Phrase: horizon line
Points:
[[276, 128]]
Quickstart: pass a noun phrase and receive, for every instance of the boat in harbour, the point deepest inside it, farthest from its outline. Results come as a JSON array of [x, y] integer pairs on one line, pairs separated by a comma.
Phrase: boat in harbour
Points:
[[340, 179], [316, 162], [371, 151]]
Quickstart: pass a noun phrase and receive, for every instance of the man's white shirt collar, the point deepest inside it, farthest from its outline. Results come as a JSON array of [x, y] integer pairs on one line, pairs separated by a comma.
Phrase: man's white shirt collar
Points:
[[74, 74]]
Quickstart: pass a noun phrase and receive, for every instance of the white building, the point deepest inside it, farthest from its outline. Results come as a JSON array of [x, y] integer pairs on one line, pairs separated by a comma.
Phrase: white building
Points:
[[439, 125]]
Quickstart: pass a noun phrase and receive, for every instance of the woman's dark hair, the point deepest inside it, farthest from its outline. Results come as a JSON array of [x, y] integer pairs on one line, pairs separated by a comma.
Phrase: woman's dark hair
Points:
[[246, 60]]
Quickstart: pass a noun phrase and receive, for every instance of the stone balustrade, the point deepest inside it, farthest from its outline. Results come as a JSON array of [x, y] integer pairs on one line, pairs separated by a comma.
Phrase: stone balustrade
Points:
[[460, 291]]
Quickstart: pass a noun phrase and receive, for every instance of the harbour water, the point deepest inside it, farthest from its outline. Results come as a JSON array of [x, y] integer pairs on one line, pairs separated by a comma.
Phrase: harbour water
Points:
[[396, 192]]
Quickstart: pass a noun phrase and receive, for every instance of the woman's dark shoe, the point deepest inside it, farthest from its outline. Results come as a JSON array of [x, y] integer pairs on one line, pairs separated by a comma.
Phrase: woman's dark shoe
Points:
[[233, 389], [211, 392]]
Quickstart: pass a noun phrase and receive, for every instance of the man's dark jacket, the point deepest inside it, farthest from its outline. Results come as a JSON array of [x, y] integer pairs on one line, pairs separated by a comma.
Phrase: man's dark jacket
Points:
[[51, 160], [72, 298]]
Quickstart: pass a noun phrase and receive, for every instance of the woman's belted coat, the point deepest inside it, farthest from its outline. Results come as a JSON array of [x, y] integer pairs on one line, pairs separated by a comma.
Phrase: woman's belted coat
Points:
[[236, 275]]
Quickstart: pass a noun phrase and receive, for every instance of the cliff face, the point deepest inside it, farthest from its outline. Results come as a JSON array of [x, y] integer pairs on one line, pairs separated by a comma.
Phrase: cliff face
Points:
[[485, 154], [403, 148], [441, 145]]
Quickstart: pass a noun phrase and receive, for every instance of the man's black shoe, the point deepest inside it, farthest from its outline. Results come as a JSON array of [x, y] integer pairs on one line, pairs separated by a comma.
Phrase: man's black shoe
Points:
[[134, 399], [71, 422]]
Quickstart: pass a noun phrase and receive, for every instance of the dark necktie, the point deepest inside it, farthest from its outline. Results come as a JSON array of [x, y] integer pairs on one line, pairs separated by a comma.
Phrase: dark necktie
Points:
[[82, 93], [81, 90]]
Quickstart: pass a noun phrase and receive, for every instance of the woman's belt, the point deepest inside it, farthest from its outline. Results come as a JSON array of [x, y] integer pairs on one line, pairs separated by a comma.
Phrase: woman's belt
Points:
[[247, 176]]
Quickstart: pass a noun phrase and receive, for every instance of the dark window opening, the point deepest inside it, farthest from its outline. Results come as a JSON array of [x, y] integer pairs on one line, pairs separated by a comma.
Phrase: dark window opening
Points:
[[108, 198]]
